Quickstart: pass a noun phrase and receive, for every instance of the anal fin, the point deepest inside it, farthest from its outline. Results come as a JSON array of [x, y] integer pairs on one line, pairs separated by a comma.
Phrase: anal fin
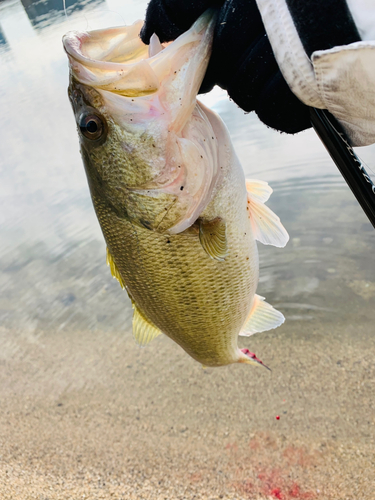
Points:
[[262, 317], [143, 330], [213, 238]]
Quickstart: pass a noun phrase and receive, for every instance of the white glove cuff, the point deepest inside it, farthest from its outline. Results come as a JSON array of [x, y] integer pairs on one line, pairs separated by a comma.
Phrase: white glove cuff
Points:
[[340, 79]]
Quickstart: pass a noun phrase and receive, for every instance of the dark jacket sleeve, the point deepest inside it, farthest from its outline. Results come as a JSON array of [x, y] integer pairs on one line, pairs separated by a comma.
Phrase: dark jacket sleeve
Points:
[[242, 60]]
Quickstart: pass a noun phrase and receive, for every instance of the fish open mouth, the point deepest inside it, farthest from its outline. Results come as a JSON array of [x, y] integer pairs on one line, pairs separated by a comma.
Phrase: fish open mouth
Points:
[[117, 60], [112, 59]]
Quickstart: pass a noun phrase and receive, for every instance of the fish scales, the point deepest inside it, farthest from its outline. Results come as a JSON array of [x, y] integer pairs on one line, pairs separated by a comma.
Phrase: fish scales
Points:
[[189, 296]]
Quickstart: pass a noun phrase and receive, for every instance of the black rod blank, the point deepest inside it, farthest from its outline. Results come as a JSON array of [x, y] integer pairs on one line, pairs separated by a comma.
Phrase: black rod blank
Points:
[[352, 169]]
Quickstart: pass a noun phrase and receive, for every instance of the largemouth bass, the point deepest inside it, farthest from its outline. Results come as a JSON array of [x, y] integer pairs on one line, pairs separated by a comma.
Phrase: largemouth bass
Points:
[[179, 220]]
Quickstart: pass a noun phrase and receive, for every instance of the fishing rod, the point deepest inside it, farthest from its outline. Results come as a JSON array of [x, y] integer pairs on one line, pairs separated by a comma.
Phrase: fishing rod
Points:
[[352, 169]]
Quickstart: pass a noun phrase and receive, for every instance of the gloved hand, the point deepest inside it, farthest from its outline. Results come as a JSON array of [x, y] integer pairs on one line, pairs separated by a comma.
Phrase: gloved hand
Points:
[[242, 60]]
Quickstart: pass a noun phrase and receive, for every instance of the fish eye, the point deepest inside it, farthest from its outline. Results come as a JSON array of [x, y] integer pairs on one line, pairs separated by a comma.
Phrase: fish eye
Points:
[[91, 126]]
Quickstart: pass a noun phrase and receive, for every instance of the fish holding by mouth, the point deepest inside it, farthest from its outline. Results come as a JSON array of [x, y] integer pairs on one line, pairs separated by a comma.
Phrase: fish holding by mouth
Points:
[[178, 217]]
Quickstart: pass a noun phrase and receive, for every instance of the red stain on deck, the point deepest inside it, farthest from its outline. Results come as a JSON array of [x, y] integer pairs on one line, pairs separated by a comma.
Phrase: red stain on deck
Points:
[[295, 492], [254, 444], [295, 455], [196, 477], [273, 484], [247, 487], [256, 473], [231, 446], [276, 493]]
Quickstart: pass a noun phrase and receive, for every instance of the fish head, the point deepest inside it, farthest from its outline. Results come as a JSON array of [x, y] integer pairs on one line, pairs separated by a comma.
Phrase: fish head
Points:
[[142, 134]]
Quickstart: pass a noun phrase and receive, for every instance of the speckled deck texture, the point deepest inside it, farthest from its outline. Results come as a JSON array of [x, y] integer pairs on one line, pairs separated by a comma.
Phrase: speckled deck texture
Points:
[[89, 415]]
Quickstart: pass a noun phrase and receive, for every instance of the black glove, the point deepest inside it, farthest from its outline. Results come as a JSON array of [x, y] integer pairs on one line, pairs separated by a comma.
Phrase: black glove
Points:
[[242, 61]]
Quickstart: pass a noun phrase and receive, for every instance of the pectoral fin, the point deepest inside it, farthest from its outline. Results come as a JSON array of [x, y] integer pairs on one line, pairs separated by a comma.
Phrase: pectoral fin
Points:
[[213, 238], [143, 330], [262, 317], [266, 225], [114, 271]]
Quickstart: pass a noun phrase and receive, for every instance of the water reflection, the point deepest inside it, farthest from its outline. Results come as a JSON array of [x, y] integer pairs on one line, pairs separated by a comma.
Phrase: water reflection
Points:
[[46, 214], [42, 13], [3, 40], [95, 401]]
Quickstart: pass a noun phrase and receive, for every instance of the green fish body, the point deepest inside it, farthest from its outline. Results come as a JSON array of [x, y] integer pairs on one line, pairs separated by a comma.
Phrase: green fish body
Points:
[[178, 217]]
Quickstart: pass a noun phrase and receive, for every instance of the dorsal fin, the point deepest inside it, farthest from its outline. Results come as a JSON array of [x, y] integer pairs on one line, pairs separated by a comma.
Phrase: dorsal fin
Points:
[[262, 317], [213, 238], [114, 271], [143, 330], [266, 225]]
